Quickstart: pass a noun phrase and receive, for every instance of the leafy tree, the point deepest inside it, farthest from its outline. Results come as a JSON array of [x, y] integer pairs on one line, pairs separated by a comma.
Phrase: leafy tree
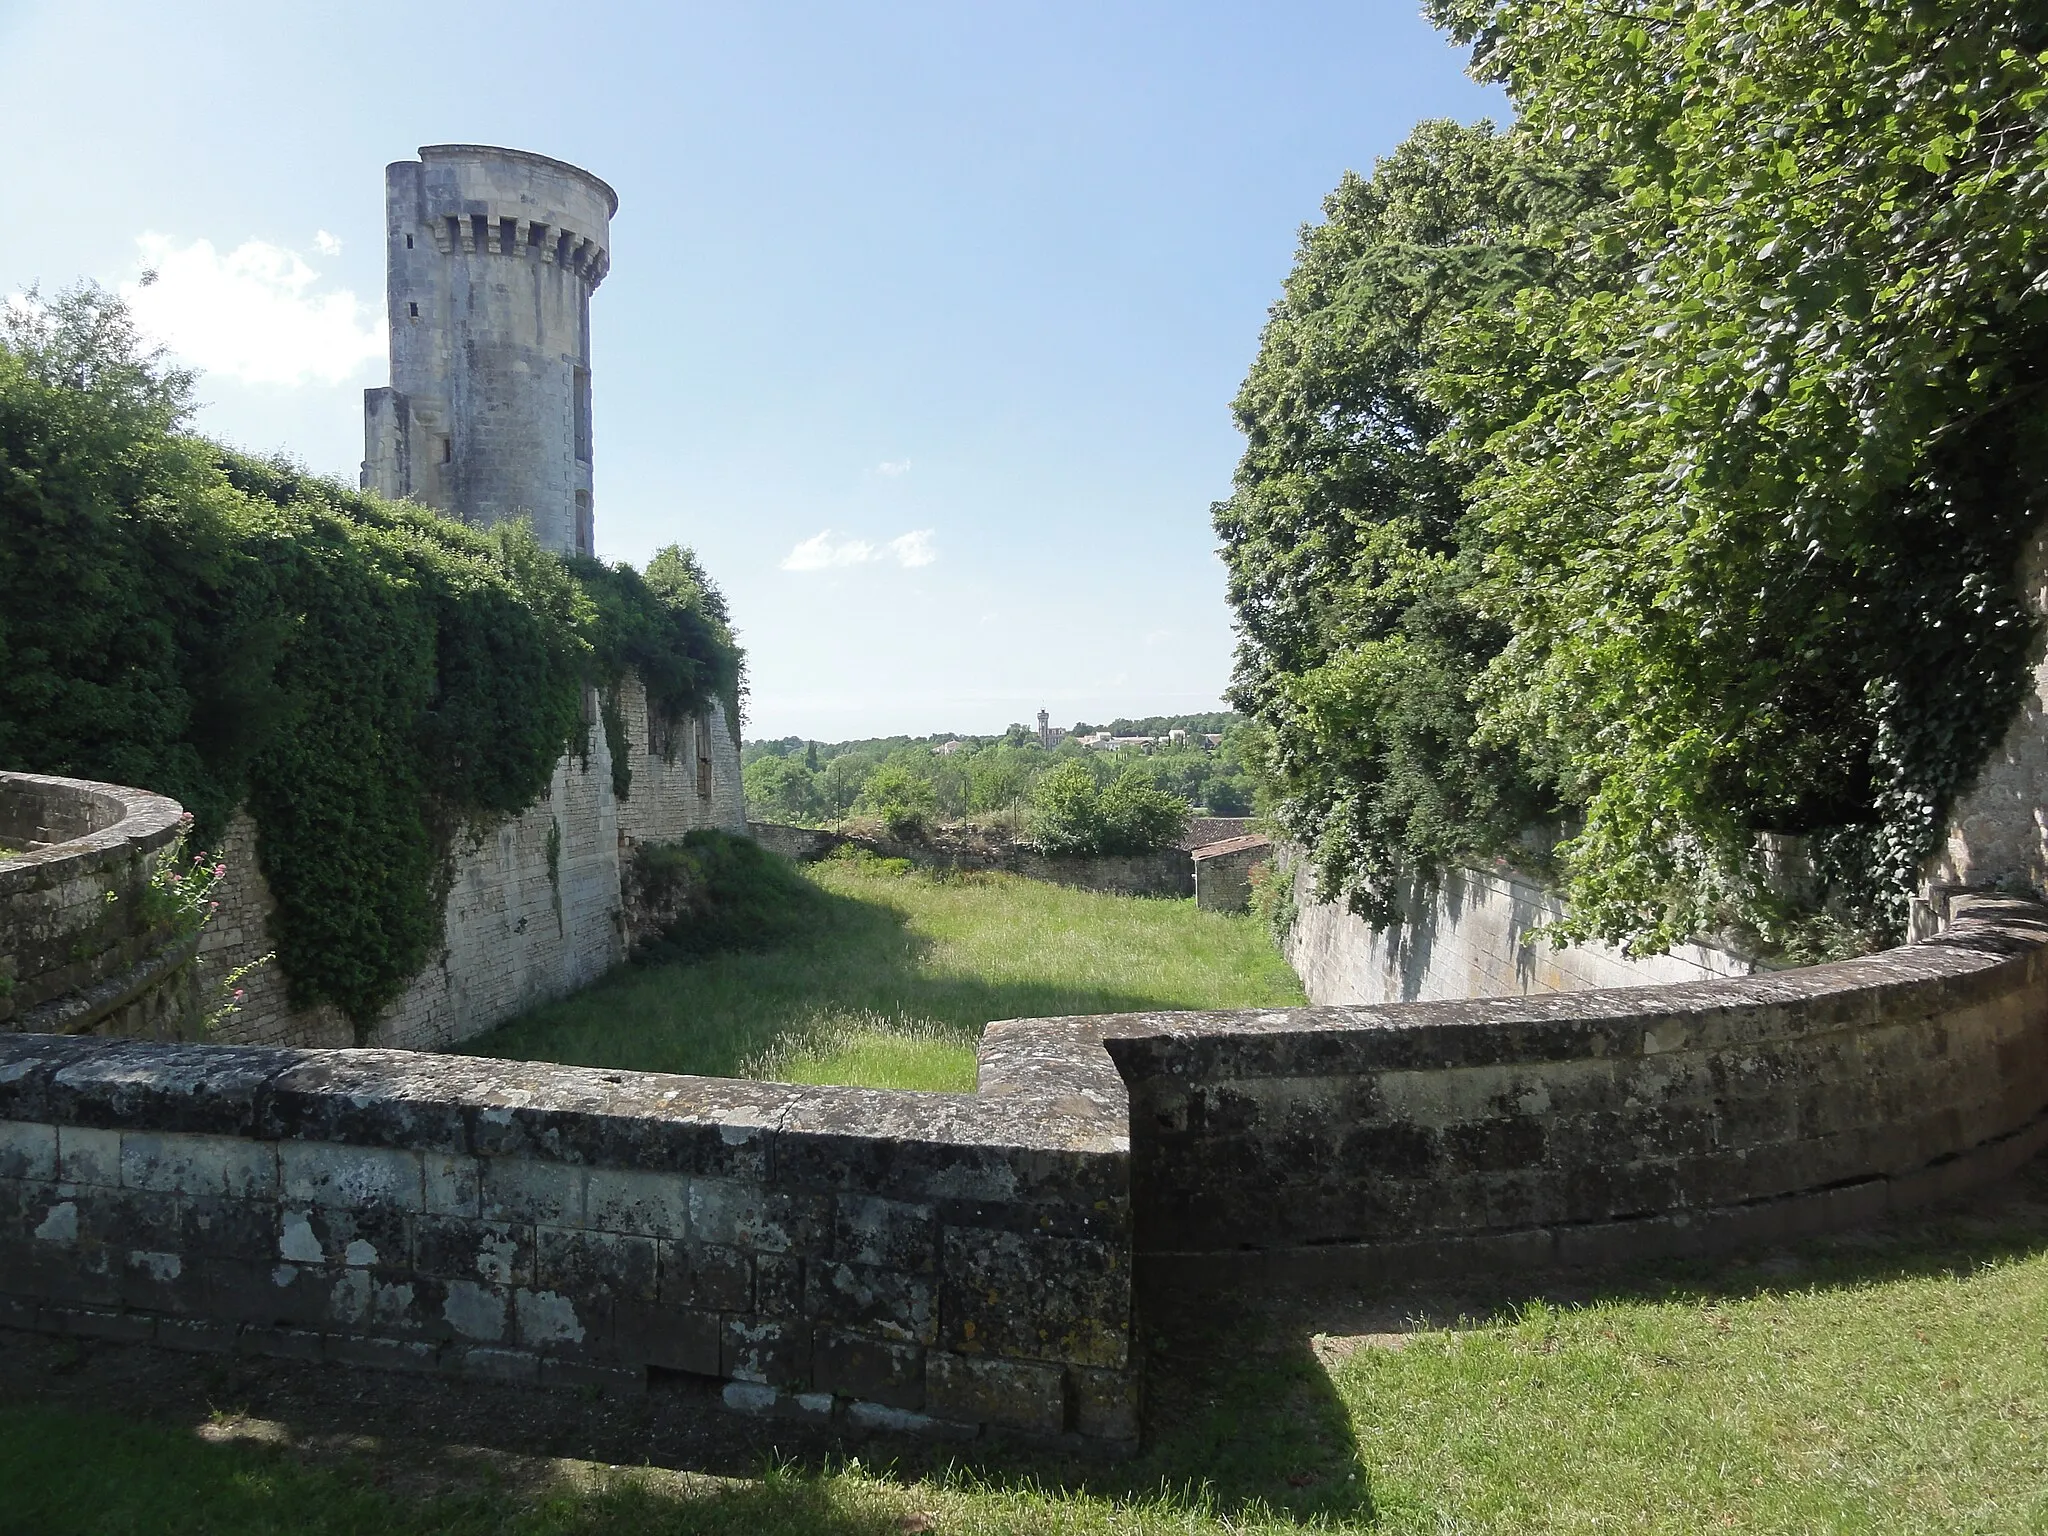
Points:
[[1353, 565], [905, 802], [1137, 818], [1755, 527], [1066, 812], [781, 789]]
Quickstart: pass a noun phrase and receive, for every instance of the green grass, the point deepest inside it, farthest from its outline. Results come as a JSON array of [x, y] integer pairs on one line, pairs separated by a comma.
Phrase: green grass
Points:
[[1892, 1385], [900, 971]]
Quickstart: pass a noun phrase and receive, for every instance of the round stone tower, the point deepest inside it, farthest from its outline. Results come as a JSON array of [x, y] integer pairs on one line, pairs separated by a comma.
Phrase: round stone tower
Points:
[[492, 255]]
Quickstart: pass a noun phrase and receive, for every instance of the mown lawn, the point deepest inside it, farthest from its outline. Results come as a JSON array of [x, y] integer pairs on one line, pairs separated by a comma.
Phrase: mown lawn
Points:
[[1889, 1383], [893, 981]]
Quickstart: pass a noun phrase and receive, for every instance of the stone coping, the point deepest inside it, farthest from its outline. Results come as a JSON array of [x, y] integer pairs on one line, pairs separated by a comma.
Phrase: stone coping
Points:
[[1232, 845], [1050, 1126], [1953, 969], [136, 822]]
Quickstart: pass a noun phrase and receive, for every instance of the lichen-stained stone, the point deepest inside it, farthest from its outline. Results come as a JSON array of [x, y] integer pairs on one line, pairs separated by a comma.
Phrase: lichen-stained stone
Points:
[[779, 1285], [550, 1321], [373, 1235], [163, 1087], [733, 1214], [89, 1156], [454, 1184], [707, 1275], [1009, 1393], [629, 1200], [27, 1150], [522, 1189], [859, 1366], [613, 1265], [865, 1299], [323, 1173], [1035, 1298], [413, 1100], [774, 1351], [463, 1248], [652, 1122], [477, 1312], [893, 1233], [187, 1164]]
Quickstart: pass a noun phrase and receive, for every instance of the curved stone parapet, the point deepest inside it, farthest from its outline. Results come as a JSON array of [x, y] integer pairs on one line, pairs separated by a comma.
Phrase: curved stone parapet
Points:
[[77, 952], [1386, 1142], [952, 1262]]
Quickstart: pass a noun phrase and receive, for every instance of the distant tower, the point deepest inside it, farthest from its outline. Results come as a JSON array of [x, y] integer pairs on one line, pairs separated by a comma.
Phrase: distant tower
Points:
[[1045, 730], [492, 255]]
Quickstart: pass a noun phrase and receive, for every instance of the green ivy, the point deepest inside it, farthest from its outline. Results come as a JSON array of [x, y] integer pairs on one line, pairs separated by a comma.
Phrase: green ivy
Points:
[[366, 677]]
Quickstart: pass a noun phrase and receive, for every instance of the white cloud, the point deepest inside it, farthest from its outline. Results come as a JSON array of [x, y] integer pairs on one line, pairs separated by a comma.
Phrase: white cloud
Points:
[[326, 244], [819, 552], [893, 467], [914, 549], [822, 552], [252, 314]]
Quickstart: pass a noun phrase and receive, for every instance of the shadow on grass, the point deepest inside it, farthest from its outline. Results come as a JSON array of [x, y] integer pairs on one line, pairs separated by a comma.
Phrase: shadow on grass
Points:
[[714, 1016], [1244, 1423]]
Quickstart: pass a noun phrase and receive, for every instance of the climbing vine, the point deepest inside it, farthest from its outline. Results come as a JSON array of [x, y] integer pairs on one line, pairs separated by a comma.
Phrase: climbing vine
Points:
[[366, 677]]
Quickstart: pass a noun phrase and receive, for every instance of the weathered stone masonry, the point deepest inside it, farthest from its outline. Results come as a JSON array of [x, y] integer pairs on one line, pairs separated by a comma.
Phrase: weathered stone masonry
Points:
[[77, 951], [953, 1262], [535, 909], [930, 1261]]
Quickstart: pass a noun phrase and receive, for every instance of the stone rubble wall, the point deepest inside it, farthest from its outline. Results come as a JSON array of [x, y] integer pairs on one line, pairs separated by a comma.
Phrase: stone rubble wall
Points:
[[1165, 872], [924, 1262], [523, 927], [78, 954], [1473, 937]]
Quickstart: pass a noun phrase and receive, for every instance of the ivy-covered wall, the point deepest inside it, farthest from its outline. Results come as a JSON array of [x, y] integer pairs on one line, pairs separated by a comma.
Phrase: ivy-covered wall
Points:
[[375, 685]]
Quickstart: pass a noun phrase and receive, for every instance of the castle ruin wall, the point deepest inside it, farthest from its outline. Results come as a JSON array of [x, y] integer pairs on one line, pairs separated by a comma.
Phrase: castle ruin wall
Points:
[[535, 905]]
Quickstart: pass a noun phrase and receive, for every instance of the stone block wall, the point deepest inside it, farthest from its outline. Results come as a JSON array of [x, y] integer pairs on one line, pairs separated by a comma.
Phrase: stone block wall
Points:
[[1998, 832], [934, 1262], [1223, 872], [535, 909], [78, 954], [1385, 1142], [956, 1263], [1474, 936]]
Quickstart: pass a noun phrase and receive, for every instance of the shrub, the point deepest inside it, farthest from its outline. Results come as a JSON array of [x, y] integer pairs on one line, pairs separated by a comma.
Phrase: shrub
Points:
[[730, 894], [904, 802], [1069, 815]]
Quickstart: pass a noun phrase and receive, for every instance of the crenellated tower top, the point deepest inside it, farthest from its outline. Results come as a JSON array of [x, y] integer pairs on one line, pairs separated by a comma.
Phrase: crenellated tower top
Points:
[[491, 258]]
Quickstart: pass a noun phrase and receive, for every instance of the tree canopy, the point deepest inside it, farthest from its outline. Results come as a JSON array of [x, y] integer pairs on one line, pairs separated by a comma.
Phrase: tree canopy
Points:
[[1655, 472]]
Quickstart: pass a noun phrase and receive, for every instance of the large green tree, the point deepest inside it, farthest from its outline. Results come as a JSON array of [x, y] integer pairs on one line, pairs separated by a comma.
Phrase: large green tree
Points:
[[1756, 535], [1353, 566]]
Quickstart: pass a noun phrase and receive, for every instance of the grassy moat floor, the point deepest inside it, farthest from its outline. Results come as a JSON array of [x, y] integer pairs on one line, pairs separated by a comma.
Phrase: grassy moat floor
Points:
[[892, 985], [1890, 1381]]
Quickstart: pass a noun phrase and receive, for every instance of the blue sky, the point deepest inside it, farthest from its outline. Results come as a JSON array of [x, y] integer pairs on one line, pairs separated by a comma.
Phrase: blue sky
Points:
[[923, 319]]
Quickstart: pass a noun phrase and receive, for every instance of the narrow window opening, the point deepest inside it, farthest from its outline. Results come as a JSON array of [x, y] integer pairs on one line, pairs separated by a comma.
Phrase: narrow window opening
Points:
[[508, 236], [581, 389], [586, 533], [447, 450], [479, 233], [414, 309], [703, 758], [408, 242]]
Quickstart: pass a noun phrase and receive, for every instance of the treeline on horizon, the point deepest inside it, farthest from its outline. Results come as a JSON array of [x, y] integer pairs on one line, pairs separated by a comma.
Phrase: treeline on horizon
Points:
[[801, 782], [1647, 481]]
